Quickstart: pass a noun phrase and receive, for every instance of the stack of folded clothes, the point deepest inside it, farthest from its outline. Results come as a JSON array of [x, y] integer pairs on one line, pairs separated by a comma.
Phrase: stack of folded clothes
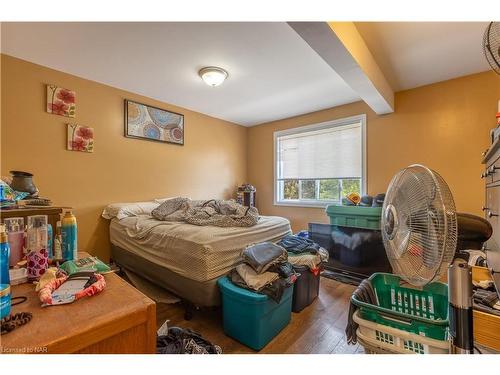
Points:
[[265, 270], [304, 252], [486, 298]]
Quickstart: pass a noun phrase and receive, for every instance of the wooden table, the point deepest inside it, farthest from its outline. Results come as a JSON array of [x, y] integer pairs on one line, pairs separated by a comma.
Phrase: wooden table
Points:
[[120, 319]]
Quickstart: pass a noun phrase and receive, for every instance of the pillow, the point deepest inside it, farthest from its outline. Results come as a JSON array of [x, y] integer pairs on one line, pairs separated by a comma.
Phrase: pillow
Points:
[[122, 210], [161, 200]]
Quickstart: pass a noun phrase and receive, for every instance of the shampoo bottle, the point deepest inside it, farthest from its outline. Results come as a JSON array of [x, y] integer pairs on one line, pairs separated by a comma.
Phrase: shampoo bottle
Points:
[[58, 242], [4, 256], [69, 236], [15, 235]]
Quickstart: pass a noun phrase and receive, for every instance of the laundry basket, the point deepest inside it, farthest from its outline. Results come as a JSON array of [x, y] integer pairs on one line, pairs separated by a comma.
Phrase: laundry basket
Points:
[[420, 311], [380, 339]]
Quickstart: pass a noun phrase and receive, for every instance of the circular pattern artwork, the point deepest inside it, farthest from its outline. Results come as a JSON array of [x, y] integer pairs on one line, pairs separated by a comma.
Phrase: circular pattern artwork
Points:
[[164, 119], [176, 134], [151, 131], [147, 122]]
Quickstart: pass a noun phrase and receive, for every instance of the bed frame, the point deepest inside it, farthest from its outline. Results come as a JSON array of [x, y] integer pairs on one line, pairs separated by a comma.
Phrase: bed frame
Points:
[[201, 294]]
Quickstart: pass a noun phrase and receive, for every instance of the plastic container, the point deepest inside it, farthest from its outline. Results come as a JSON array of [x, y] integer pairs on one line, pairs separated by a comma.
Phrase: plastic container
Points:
[[4, 256], [69, 236], [355, 216], [423, 312], [4, 300], [50, 241], [58, 242], [252, 318], [355, 252], [15, 235], [306, 288], [37, 241], [380, 339]]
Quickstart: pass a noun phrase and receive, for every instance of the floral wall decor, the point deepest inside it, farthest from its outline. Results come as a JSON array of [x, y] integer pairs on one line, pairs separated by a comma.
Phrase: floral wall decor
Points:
[[80, 138], [61, 101]]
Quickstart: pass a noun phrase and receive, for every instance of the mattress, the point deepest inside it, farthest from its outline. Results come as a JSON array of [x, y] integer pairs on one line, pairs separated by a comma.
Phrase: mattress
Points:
[[198, 253]]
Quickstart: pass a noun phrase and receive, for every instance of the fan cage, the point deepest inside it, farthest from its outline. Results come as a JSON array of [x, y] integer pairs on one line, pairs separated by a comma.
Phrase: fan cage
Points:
[[491, 45], [419, 225]]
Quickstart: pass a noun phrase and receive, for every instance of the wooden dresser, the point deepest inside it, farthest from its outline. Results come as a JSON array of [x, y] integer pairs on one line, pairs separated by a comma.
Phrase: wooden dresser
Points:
[[487, 326], [119, 320], [491, 206]]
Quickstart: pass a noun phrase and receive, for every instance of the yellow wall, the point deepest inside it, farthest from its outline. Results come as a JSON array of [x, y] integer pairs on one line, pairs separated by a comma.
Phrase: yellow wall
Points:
[[444, 126], [210, 164]]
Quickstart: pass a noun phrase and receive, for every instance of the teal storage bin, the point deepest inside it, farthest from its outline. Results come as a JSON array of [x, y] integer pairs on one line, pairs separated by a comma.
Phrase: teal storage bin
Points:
[[355, 216], [252, 318]]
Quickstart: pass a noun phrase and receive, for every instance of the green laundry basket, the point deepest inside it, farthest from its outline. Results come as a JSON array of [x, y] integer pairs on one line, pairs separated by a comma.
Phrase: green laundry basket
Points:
[[424, 312], [355, 216]]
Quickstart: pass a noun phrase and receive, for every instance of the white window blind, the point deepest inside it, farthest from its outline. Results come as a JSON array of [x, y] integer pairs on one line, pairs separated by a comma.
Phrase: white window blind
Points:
[[327, 153]]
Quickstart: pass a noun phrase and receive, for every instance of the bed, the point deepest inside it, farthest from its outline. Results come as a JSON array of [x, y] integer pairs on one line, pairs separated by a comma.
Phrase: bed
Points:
[[183, 258]]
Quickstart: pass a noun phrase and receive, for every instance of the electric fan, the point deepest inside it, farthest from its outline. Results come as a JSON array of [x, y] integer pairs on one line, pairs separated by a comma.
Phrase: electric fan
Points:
[[419, 230], [491, 45]]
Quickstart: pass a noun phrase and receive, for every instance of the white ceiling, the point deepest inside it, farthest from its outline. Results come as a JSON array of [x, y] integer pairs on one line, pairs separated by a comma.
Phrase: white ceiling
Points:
[[273, 73], [412, 54]]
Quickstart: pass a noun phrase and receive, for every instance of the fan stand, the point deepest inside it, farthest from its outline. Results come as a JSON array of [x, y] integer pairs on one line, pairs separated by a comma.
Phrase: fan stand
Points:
[[460, 307]]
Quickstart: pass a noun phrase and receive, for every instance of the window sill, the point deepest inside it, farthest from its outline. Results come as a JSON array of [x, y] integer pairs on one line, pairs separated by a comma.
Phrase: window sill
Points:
[[304, 204]]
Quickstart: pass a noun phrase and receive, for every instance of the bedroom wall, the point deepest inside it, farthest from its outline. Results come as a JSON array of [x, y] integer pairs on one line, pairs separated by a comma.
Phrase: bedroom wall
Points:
[[444, 126], [211, 164]]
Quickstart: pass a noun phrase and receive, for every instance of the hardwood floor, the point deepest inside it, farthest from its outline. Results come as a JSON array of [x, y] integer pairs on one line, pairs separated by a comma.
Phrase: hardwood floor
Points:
[[319, 328]]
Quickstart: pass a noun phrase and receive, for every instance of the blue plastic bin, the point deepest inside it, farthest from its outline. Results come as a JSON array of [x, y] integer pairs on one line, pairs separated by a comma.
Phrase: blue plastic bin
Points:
[[252, 318]]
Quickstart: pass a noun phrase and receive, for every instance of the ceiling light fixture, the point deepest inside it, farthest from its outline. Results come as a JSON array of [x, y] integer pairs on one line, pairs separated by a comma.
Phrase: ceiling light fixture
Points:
[[212, 75]]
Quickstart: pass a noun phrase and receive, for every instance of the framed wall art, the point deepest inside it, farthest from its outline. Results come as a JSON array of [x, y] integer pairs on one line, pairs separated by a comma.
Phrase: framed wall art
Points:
[[154, 124], [61, 101], [80, 138]]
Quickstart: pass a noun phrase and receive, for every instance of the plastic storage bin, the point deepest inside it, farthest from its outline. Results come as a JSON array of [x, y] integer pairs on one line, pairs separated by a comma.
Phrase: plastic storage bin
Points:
[[305, 290], [252, 318], [355, 216], [380, 339], [423, 312]]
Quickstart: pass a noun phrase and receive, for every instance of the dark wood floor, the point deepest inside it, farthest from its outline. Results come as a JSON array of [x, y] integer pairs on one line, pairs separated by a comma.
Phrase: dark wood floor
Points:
[[319, 328]]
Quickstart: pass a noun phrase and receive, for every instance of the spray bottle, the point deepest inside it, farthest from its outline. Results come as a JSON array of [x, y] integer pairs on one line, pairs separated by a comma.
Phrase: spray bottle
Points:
[[4, 256], [69, 236]]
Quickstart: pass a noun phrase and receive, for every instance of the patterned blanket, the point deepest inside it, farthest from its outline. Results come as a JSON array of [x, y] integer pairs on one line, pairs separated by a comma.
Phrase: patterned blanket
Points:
[[219, 213]]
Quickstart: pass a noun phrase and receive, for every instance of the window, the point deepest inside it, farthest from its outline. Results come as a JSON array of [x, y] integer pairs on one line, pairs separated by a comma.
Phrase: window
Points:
[[319, 164]]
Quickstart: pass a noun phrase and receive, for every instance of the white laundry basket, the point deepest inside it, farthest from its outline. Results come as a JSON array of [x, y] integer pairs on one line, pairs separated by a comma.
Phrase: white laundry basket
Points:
[[377, 338]]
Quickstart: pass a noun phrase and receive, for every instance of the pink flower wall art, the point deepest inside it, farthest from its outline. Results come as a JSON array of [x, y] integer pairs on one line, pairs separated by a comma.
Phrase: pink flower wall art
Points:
[[61, 101], [80, 138]]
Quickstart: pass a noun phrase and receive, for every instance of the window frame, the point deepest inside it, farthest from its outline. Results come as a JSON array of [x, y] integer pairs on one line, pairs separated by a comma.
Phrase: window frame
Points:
[[304, 129]]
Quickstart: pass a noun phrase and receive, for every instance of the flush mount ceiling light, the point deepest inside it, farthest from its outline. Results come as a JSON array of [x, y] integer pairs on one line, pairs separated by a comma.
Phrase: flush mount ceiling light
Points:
[[212, 75]]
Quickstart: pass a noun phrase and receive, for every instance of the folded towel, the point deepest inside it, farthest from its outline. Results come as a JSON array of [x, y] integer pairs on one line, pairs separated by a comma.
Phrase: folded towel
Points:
[[263, 255], [254, 280]]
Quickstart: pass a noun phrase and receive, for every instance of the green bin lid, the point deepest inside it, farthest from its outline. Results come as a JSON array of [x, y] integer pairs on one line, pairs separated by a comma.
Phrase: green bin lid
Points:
[[333, 209]]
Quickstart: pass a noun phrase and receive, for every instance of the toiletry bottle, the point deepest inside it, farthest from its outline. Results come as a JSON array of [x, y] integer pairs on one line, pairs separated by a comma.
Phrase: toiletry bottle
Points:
[[58, 242], [4, 256], [69, 236], [50, 241], [15, 235], [37, 246]]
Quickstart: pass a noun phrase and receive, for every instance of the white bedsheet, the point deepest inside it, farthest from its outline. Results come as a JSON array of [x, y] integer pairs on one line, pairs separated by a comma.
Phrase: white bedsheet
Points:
[[199, 253]]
